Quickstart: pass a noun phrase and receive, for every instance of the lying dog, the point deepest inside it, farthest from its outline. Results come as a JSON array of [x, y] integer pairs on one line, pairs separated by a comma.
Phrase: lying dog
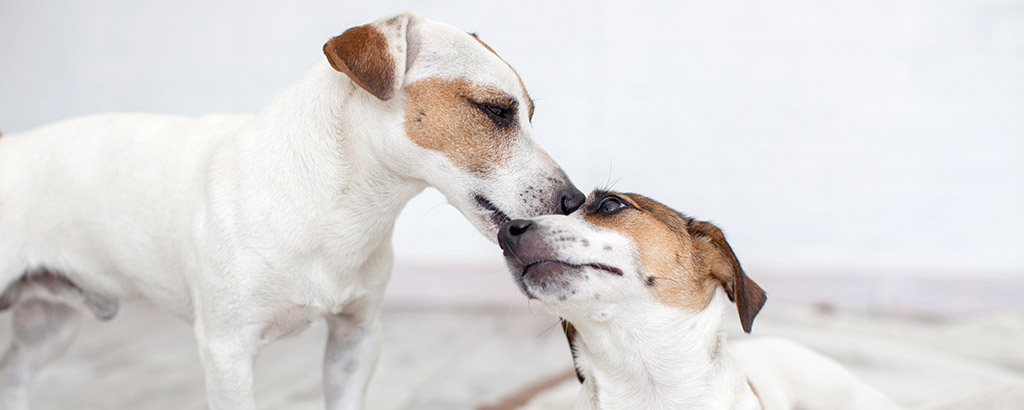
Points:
[[643, 290], [251, 227]]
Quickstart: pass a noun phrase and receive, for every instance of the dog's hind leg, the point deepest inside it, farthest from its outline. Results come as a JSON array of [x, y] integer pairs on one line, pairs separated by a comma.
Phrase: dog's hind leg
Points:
[[42, 331]]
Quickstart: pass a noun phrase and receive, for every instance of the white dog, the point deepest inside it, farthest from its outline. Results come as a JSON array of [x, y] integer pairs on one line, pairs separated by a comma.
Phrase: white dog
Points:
[[251, 227], [643, 290]]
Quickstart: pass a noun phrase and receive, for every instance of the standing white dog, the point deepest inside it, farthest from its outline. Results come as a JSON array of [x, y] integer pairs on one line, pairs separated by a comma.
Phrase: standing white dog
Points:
[[251, 227]]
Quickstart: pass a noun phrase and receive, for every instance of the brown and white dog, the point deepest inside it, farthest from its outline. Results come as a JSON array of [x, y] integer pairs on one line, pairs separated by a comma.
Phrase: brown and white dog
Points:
[[643, 291], [252, 226]]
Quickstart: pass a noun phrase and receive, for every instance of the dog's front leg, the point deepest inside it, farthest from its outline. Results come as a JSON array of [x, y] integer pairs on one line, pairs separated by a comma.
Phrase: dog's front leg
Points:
[[353, 345], [227, 354]]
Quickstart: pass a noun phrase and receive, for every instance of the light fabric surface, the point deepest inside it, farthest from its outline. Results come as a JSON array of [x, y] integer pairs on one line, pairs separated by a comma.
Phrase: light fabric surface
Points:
[[455, 358]]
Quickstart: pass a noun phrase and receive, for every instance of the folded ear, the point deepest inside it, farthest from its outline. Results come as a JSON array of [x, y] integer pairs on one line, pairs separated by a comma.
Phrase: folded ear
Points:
[[723, 265], [376, 55]]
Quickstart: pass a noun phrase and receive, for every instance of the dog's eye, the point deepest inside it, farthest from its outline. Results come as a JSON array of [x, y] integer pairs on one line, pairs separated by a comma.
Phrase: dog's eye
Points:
[[501, 115], [610, 205], [496, 110]]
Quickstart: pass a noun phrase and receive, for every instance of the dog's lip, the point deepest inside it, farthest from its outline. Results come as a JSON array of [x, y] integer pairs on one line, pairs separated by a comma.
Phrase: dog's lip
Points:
[[497, 216], [599, 266]]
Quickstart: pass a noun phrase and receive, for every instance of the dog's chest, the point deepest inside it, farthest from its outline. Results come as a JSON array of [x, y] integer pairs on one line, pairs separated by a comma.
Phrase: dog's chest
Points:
[[344, 293], [287, 322]]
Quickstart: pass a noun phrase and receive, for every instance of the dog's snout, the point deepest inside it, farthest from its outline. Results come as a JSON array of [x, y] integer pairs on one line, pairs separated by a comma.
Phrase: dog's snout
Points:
[[572, 199], [511, 234]]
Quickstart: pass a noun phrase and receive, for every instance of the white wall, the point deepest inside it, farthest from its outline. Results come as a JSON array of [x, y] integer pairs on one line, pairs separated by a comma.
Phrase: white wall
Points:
[[880, 137]]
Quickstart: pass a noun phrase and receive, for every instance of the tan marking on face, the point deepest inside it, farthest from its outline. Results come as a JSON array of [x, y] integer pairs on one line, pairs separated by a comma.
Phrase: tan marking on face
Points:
[[687, 258], [441, 115], [666, 251], [526, 95]]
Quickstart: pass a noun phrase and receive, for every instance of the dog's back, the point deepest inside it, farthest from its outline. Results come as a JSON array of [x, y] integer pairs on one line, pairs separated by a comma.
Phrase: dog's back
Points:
[[788, 375], [64, 185]]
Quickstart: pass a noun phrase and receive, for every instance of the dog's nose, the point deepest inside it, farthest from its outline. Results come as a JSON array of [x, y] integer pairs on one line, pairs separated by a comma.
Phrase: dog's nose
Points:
[[572, 199], [511, 234]]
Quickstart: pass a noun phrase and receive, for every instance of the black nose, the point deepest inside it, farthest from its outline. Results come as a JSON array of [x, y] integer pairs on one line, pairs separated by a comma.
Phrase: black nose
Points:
[[511, 234], [572, 199]]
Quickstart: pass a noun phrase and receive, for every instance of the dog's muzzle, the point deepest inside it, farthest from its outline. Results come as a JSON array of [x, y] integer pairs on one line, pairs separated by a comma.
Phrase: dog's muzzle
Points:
[[571, 199], [510, 236]]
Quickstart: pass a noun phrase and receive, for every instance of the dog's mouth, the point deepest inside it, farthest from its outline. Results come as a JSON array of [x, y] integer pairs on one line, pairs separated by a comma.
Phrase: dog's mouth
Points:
[[551, 265], [497, 216], [555, 278]]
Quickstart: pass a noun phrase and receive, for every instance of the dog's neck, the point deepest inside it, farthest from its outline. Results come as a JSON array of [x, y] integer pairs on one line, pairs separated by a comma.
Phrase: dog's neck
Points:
[[661, 359], [315, 132], [308, 158]]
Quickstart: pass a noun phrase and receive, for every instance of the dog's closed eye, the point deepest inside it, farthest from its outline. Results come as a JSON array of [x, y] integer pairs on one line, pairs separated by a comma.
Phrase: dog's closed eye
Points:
[[502, 115]]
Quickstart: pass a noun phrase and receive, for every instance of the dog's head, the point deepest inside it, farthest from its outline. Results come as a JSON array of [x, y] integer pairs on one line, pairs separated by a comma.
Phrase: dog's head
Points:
[[625, 250], [450, 112]]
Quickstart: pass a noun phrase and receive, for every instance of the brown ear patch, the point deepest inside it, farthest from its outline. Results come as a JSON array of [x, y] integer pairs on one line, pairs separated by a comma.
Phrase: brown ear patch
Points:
[[440, 115], [684, 260], [723, 265], [362, 53]]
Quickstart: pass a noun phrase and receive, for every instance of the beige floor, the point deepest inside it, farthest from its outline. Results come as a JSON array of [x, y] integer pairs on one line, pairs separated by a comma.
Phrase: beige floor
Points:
[[458, 358]]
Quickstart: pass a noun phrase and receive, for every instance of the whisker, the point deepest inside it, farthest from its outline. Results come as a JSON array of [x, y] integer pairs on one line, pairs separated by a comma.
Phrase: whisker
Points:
[[548, 329]]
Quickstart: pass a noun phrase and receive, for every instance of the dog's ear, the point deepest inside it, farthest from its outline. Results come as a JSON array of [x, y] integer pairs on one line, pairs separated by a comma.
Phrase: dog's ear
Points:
[[376, 55], [723, 265]]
